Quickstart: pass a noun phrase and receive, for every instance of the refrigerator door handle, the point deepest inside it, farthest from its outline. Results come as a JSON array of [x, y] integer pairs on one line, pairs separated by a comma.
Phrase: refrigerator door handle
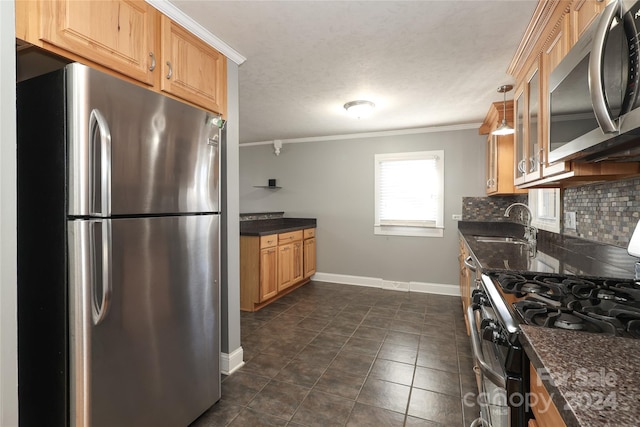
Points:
[[100, 143], [102, 288]]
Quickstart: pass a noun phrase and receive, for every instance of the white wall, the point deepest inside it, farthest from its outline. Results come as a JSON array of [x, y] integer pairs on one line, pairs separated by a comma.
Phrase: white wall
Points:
[[333, 182], [8, 224]]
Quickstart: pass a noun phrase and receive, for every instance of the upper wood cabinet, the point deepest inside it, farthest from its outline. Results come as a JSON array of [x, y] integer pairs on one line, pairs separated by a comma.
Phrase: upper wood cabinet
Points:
[[583, 12], [130, 39], [554, 28], [557, 46], [118, 34], [193, 70], [527, 125], [500, 153]]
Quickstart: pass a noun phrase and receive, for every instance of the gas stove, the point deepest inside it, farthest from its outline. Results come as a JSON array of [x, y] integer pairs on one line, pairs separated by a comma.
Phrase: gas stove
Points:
[[598, 305], [502, 301]]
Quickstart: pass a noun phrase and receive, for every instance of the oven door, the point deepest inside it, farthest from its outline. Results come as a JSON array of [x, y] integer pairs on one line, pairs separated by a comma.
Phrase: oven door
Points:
[[489, 358]]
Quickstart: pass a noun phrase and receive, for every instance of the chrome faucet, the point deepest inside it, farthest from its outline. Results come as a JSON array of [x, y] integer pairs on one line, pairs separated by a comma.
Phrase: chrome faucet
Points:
[[530, 233]]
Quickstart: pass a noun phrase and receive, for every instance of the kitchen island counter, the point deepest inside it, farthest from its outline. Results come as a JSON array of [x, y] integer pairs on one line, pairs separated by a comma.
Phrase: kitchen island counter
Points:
[[593, 380]]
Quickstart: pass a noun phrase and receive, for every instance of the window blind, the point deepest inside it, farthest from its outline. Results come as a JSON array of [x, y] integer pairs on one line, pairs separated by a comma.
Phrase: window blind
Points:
[[409, 189], [408, 192]]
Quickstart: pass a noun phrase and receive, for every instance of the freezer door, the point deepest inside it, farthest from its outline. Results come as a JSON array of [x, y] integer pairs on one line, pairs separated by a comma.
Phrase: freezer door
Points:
[[133, 151], [144, 313]]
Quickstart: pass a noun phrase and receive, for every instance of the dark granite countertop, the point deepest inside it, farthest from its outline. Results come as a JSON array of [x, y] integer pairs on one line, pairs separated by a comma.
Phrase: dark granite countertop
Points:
[[264, 227], [556, 253], [593, 380]]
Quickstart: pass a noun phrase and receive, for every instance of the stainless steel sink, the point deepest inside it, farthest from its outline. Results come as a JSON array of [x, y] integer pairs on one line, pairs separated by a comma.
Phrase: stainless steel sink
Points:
[[500, 239]]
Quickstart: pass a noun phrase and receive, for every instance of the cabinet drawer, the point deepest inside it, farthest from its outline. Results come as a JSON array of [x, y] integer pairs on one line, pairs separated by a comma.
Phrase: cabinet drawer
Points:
[[309, 233], [289, 237], [268, 241]]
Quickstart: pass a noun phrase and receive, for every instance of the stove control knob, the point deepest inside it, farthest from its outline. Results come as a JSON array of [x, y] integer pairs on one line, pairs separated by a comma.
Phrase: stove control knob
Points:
[[487, 323], [479, 297], [490, 334]]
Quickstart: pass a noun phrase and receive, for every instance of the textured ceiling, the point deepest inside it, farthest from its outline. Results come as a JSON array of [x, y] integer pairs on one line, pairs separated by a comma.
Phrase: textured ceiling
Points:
[[423, 63]]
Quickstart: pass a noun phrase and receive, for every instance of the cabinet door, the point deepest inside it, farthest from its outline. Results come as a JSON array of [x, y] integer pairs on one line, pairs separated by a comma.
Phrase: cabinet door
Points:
[[583, 12], [545, 412], [192, 70], [492, 164], [268, 273], [298, 271], [285, 266], [309, 257], [532, 132], [119, 34], [465, 283], [527, 135], [553, 53], [519, 136]]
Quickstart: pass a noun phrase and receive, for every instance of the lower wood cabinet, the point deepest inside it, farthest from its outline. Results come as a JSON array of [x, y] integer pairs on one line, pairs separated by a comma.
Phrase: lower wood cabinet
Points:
[[272, 266], [309, 252], [268, 273], [545, 412], [465, 282]]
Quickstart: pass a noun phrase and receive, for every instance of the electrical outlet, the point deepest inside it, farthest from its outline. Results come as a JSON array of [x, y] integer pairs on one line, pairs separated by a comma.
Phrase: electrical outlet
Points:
[[569, 220], [456, 217]]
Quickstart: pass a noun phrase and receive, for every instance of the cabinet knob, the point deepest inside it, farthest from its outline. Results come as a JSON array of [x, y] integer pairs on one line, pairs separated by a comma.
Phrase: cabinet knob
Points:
[[153, 61], [170, 72]]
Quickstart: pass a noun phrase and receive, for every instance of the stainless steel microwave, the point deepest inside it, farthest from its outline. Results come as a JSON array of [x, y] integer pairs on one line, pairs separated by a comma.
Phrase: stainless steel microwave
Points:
[[594, 107]]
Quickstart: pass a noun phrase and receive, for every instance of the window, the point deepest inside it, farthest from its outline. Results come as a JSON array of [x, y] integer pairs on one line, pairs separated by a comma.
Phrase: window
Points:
[[409, 194], [545, 207]]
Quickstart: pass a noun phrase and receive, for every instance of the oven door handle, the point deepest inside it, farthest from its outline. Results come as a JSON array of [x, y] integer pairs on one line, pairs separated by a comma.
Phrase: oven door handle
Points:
[[487, 370]]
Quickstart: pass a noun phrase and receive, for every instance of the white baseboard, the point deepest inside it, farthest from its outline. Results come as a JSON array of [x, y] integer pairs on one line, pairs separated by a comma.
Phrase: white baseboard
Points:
[[435, 288], [374, 282], [395, 286], [345, 279], [231, 362]]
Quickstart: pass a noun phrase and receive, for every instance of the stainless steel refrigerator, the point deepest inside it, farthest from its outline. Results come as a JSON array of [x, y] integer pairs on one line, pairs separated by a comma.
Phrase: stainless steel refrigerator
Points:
[[118, 254]]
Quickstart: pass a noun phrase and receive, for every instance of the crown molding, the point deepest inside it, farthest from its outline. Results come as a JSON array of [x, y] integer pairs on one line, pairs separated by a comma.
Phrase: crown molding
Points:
[[171, 11], [414, 131]]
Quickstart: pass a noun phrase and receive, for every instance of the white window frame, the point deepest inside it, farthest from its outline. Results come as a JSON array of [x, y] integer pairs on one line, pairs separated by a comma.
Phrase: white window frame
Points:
[[536, 197], [436, 230]]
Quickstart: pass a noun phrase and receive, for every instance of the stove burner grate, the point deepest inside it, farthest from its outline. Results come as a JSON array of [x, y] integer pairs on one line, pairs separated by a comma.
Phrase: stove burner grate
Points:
[[590, 304], [568, 321], [540, 314], [521, 286]]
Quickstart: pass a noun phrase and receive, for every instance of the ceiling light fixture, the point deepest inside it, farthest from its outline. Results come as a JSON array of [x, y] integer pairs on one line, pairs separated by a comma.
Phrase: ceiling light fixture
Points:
[[359, 108], [504, 128]]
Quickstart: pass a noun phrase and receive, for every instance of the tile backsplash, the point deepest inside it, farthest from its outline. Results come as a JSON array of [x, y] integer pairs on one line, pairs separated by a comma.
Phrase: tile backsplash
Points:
[[490, 208], [260, 215], [606, 212]]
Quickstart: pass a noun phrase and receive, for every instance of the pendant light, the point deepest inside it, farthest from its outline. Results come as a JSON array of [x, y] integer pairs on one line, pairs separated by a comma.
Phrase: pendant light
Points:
[[504, 128]]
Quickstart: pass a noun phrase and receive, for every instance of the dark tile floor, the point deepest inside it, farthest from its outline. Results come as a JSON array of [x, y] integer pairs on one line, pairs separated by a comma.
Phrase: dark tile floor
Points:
[[339, 355]]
